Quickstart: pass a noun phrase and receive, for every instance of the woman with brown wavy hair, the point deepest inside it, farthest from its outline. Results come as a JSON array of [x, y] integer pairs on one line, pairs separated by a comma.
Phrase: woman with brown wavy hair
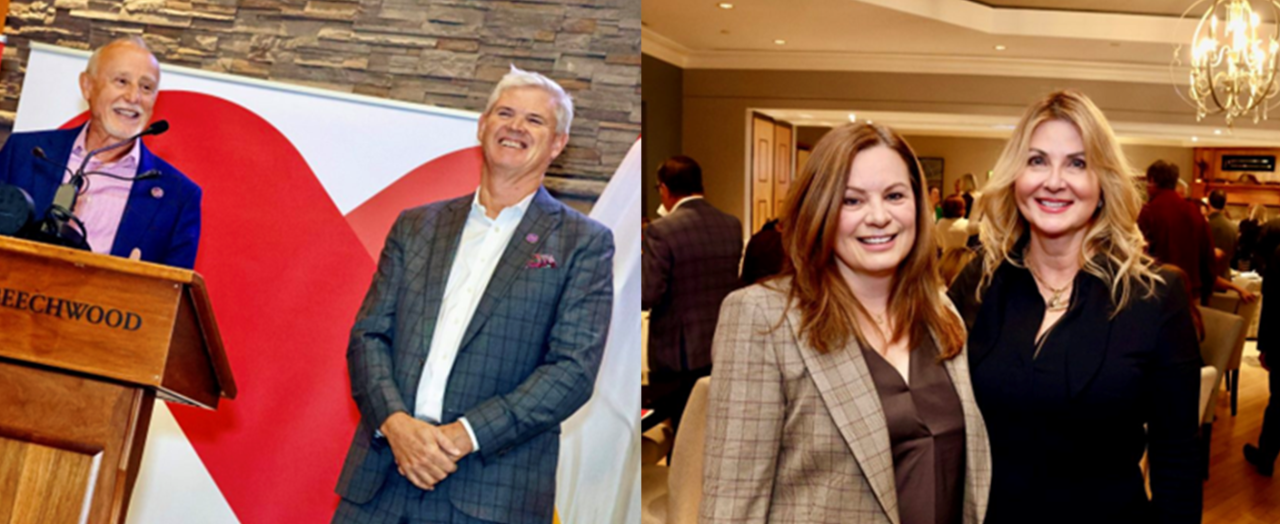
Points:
[[1083, 352], [840, 391]]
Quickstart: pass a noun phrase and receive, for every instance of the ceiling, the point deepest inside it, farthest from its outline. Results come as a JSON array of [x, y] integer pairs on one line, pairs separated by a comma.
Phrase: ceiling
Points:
[[1142, 35], [1131, 41]]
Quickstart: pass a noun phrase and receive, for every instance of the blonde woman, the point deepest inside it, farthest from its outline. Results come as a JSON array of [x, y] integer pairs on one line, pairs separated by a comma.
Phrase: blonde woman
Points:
[[1075, 340], [840, 390]]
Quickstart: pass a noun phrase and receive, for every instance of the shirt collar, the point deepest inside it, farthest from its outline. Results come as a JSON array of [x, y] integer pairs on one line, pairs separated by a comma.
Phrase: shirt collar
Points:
[[519, 208], [129, 160], [682, 201]]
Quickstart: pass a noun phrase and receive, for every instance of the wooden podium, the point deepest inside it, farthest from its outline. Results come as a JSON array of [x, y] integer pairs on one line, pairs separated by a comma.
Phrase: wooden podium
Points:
[[87, 343]]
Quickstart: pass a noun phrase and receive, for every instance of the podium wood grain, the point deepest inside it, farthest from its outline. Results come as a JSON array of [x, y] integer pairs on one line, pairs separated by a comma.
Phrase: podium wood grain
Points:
[[76, 391]]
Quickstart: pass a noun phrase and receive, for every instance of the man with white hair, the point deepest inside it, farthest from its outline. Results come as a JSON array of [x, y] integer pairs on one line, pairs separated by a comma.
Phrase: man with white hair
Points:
[[132, 203], [482, 332]]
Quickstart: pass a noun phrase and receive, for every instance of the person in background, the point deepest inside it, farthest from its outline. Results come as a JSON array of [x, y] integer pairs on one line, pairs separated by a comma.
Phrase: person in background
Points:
[[840, 390], [1224, 233], [954, 230], [1083, 353], [1263, 455], [1175, 232], [765, 254], [690, 262], [935, 200], [1250, 229], [965, 186]]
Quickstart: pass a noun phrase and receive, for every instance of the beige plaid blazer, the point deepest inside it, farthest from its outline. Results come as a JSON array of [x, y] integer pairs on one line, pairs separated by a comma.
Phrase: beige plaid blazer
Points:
[[794, 436]]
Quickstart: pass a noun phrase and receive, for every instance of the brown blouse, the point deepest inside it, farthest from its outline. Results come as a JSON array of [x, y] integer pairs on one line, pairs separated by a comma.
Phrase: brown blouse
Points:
[[926, 433]]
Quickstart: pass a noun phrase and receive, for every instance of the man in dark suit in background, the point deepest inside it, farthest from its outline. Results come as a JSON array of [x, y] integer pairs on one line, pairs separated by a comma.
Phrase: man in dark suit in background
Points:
[[482, 331], [142, 207], [691, 258], [1224, 233]]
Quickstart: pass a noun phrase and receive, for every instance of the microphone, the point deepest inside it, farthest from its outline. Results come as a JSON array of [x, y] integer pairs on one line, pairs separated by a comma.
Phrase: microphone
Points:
[[156, 128], [61, 222]]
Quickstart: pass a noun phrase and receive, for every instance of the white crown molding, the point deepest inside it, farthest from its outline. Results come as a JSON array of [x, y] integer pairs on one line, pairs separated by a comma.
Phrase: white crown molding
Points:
[[663, 48], [935, 64], [1014, 21]]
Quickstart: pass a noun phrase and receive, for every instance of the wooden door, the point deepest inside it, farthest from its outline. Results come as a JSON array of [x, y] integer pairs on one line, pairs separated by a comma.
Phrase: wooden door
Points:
[[782, 166], [762, 166]]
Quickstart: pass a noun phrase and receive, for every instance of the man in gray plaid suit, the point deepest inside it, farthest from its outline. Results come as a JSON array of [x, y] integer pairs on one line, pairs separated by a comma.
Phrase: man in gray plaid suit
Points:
[[482, 331], [691, 258]]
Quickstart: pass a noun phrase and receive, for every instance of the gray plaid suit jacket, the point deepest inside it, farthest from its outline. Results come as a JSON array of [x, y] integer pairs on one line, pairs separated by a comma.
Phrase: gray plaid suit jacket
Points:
[[796, 436], [690, 263], [527, 361]]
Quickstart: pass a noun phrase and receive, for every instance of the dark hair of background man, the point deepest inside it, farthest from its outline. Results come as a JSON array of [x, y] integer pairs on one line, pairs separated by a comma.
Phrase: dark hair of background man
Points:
[[1163, 174], [1218, 199], [682, 176]]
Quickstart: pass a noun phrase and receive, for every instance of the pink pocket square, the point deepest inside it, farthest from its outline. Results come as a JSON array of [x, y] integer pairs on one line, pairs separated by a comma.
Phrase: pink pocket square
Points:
[[541, 260]]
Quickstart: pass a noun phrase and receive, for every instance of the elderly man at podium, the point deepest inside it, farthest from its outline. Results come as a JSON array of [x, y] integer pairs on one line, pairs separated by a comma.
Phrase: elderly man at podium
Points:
[[482, 331], [130, 203]]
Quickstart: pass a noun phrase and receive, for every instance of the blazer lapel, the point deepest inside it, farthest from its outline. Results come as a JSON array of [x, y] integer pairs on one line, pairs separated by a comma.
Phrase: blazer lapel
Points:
[[441, 256], [540, 219], [977, 448], [47, 176], [1087, 347], [141, 207], [845, 383]]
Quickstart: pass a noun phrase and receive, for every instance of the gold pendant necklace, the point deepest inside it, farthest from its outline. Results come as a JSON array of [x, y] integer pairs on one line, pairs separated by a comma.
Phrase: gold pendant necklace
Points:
[[1059, 300]]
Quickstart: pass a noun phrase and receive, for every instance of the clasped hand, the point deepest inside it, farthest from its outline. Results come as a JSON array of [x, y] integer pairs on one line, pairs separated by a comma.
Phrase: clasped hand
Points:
[[425, 454]]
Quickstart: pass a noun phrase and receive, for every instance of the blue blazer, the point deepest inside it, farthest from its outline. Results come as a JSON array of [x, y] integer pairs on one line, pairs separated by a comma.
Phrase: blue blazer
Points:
[[161, 218]]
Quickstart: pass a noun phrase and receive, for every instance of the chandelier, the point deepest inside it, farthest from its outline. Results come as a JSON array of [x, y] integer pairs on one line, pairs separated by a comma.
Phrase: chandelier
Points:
[[1233, 68]]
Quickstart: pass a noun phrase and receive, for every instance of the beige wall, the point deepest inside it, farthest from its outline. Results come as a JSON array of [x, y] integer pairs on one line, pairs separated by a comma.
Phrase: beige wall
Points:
[[662, 100], [716, 104]]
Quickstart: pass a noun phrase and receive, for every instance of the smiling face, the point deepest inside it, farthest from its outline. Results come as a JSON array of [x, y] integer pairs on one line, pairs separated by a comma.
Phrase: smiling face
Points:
[[518, 134], [1056, 191], [121, 92], [877, 224]]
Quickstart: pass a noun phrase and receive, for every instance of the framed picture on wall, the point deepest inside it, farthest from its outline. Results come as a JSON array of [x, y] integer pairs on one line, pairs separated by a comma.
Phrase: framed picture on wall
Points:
[[932, 167]]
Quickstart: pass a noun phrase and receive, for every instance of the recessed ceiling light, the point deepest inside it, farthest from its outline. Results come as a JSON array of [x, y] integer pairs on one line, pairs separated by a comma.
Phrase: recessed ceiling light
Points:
[[853, 117], [870, 122], [1217, 131], [780, 41], [1000, 48], [1195, 139], [725, 5]]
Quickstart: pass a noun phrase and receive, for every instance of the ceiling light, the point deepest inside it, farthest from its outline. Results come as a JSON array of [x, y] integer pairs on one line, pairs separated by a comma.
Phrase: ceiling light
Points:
[[1233, 67], [780, 41], [870, 122], [1195, 139], [725, 5], [853, 117], [1217, 131], [1000, 48]]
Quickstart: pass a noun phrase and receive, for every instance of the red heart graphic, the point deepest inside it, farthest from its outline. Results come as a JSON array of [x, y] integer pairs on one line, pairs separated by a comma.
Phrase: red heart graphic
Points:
[[286, 273]]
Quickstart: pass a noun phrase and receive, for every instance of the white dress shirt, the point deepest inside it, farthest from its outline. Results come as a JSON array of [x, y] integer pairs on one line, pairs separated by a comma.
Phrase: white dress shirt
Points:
[[481, 247]]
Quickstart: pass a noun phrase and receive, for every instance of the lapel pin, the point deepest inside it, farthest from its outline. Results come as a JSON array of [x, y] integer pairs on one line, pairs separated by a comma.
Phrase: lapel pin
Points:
[[157, 192], [531, 238]]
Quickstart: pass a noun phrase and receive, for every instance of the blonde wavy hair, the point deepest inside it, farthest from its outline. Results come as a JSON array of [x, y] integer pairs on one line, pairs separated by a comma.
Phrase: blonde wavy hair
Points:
[[1112, 231]]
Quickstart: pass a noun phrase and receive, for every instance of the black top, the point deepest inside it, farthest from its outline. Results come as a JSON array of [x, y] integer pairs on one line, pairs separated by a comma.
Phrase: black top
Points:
[[926, 434], [1066, 427]]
